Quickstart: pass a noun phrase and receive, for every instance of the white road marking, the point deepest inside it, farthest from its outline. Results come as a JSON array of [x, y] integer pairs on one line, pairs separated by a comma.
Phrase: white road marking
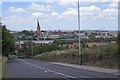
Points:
[[61, 74], [45, 71], [48, 70], [69, 76]]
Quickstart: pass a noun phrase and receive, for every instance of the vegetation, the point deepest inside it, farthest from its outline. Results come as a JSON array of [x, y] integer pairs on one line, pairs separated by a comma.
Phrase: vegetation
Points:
[[7, 41], [2, 67], [61, 42], [28, 47], [103, 56]]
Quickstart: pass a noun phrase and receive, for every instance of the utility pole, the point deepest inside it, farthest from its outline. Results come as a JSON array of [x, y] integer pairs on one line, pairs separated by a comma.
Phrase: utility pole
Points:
[[45, 37], [80, 54], [32, 45]]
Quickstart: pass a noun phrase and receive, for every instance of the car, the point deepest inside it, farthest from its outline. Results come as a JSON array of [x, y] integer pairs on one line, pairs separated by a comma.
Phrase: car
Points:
[[21, 56], [9, 56]]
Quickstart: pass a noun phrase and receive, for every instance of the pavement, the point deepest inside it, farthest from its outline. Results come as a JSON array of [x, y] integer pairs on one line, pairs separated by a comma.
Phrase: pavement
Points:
[[91, 68], [27, 68]]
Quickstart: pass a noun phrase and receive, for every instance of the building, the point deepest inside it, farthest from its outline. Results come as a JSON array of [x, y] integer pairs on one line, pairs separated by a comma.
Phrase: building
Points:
[[91, 44], [54, 36], [38, 33]]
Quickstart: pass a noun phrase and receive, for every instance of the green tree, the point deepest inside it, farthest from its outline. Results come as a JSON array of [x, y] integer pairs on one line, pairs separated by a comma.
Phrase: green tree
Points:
[[7, 41], [27, 50]]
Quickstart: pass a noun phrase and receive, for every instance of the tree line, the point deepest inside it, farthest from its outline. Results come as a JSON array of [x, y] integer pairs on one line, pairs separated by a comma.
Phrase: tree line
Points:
[[8, 43]]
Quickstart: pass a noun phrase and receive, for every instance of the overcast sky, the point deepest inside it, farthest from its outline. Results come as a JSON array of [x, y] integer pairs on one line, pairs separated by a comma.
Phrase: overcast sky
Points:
[[61, 15]]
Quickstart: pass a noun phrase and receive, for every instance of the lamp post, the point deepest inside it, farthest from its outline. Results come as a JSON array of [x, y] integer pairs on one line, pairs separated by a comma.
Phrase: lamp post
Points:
[[80, 54], [32, 46], [45, 37]]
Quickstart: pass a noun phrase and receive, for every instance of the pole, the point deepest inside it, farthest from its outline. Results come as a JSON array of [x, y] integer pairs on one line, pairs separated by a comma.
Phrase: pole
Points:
[[80, 54], [45, 37], [32, 45]]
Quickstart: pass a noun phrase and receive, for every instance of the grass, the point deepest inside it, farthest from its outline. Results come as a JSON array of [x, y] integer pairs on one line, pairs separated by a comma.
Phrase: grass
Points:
[[102, 56], [0, 67], [3, 61]]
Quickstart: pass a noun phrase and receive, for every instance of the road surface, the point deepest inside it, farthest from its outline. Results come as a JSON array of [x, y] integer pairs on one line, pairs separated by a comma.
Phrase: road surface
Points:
[[26, 68]]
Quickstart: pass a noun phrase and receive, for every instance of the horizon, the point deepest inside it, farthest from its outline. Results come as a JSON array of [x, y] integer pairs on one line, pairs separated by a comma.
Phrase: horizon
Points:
[[61, 30]]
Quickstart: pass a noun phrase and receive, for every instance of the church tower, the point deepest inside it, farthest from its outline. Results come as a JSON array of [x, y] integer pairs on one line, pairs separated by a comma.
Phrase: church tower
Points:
[[39, 35], [38, 27]]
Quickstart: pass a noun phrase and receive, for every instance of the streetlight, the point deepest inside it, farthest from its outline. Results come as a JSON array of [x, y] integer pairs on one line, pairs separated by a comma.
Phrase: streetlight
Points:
[[80, 54], [32, 45], [45, 37]]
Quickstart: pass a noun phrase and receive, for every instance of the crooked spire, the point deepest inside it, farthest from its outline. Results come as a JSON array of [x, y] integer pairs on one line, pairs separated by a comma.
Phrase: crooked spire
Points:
[[38, 25]]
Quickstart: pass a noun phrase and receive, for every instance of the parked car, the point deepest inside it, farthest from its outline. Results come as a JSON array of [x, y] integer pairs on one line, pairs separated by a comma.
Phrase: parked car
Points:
[[21, 56], [9, 56]]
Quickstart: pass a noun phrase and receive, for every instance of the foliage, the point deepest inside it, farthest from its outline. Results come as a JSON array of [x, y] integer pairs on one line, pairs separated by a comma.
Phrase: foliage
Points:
[[104, 56], [27, 50], [98, 40], [45, 48], [61, 42], [7, 41], [38, 49]]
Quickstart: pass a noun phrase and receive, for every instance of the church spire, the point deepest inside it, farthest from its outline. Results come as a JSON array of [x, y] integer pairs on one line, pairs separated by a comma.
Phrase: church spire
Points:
[[38, 23], [38, 26]]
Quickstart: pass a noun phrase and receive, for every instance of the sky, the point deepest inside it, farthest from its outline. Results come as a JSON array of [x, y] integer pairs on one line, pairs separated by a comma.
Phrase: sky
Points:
[[60, 15]]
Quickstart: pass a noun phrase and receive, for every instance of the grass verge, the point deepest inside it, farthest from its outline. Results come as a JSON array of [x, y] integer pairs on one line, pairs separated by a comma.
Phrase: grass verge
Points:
[[3, 61]]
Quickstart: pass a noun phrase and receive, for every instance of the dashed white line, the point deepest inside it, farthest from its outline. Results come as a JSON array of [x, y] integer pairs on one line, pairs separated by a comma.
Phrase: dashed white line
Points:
[[61, 74], [45, 71], [48, 70], [69, 76]]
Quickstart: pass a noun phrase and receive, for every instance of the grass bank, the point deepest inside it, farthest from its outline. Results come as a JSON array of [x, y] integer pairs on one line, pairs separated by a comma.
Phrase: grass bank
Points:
[[97, 56]]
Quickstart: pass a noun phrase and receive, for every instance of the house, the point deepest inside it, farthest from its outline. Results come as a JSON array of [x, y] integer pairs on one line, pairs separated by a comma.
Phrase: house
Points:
[[90, 44]]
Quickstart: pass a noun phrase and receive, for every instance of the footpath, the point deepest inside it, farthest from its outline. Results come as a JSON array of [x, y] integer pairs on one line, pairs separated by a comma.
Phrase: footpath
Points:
[[91, 68]]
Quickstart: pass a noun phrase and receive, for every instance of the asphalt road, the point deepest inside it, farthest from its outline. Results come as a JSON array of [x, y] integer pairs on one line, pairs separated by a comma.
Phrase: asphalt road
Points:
[[26, 68]]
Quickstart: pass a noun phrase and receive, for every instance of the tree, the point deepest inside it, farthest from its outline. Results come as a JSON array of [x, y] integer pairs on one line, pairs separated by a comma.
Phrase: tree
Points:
[[7, 41], [27, 49]]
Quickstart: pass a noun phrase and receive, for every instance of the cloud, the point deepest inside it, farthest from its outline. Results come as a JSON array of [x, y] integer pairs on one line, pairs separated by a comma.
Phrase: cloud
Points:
[[90, 11], [98, 0], [37, 14], [69, 14], [18, 19], [110, 11], [49, 0], [115, 0], [54, 14], [0, 2], [16, 10], [73, 2], [38, 7], [111, 18], [113, 5], [67, 2], [70, 11]]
